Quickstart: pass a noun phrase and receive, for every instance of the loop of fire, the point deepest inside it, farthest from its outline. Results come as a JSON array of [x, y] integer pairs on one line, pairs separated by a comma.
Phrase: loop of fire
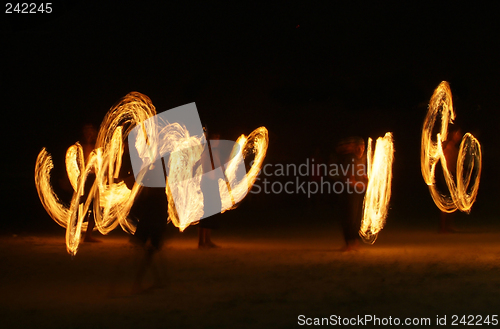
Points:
[[165, 151], [462, 182]]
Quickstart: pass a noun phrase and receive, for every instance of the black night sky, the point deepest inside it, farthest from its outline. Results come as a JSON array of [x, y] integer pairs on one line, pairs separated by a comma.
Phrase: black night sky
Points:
[[309, 73]]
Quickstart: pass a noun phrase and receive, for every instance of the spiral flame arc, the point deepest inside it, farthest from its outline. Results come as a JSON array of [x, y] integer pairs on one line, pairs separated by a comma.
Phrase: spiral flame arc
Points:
[[464, 187], [112, 199]]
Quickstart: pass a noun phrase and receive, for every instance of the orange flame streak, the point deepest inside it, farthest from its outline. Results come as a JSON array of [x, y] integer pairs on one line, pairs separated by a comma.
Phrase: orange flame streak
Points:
[[462, 195], [182, 182], [187, 150], [255, 143], [113, 201], [378, 191], [54, 207], [74, 164]]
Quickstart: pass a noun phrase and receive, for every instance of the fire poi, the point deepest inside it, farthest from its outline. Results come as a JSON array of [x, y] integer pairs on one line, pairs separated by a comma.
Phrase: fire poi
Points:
[[113, 200], [463, 188], [378, 190]]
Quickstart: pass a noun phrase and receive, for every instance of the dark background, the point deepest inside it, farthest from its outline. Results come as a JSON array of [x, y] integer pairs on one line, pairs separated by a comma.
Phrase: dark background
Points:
[[309, 73]]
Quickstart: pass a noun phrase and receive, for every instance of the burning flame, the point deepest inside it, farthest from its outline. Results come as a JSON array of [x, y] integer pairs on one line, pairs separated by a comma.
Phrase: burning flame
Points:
[[113, 200], [378, 191], [187, 209], [462, 195], [255, 143]]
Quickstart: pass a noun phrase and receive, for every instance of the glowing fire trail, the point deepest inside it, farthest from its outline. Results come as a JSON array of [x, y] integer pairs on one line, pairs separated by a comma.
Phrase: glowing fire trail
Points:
[[255, 143], [187, 208], [462, 194], [112, 200], [378, 191]]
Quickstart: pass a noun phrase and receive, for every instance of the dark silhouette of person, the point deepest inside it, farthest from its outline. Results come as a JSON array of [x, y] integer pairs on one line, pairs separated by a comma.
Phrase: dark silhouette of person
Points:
[[351, 160], [151, 211], [210, 160], [316, 172], [89, 139], [450, 150]]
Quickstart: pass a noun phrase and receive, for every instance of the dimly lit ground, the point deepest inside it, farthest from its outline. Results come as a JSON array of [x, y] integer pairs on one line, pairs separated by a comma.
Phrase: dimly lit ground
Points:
[[265, 276], [311, 74]]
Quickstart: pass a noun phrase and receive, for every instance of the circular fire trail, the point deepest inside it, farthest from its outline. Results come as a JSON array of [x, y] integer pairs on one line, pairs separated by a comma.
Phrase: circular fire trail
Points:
[[464, 187], [112, 199]]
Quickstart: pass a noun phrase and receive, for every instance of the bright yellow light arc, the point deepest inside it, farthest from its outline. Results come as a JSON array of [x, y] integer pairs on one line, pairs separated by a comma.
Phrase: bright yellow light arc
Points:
[[462, 194], [256, 144], [112, 200], [378, 190], [186, 151]]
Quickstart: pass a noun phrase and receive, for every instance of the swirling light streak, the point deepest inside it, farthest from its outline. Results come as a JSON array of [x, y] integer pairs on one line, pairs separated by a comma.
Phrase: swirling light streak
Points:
[[187, 208], [378, 190], [113, 200], [255, 143], [461, 194]]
